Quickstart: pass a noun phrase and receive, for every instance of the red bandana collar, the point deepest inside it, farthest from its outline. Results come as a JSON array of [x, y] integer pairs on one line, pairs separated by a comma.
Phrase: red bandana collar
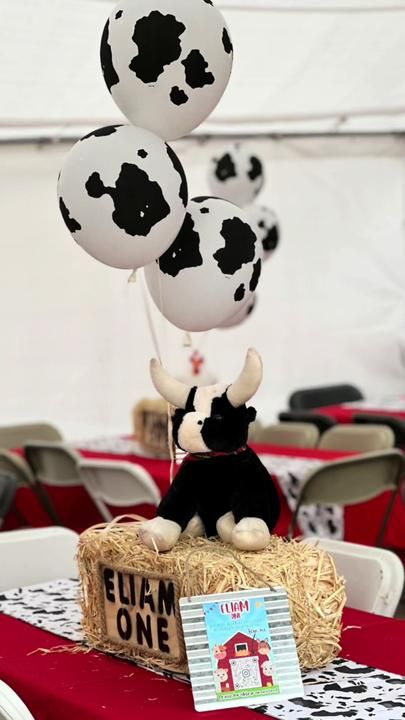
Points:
[[213, 454]]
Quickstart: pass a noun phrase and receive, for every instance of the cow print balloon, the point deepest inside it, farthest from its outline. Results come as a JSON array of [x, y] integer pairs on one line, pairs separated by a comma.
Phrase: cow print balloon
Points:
[[242, 314], [166, 64], [236, 175], [123, 195], [267, 227], [210, 270]]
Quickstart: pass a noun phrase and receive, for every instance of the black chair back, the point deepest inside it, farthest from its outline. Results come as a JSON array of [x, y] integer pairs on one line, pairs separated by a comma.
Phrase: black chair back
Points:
[[396, 424], [309, 398], [322, 422]]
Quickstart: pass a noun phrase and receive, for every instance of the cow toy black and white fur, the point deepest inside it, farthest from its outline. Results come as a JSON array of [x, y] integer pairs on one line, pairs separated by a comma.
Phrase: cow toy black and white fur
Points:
[[221, 488]]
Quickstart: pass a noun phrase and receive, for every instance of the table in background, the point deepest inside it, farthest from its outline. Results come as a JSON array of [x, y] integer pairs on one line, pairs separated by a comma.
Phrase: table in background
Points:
[[394, 407], [93, 686], [77, 510]]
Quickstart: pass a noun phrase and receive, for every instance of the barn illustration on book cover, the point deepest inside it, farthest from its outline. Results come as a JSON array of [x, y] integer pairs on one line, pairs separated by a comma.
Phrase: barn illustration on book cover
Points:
[[240, 648]]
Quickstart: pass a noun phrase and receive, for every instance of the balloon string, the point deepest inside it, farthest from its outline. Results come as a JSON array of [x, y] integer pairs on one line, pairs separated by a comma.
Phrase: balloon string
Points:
[[160, 289], [152, 329], [149, 318]]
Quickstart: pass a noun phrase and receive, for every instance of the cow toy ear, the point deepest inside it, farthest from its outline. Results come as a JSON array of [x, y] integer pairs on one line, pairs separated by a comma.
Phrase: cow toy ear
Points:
[[251, 414]]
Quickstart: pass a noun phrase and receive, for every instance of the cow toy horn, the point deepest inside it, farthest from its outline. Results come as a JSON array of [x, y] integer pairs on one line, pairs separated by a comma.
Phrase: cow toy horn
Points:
[[174, 391], [248, 381]]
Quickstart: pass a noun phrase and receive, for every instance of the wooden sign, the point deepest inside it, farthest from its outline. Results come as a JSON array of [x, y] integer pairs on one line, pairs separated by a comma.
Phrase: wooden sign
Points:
[[151, 425], [141, 611]]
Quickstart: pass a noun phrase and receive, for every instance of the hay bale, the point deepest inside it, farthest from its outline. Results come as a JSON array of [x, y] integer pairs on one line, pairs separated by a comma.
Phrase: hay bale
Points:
[[202, 566]]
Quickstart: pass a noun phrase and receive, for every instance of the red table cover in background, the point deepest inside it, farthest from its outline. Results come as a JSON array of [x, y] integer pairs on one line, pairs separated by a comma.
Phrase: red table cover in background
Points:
[[77, 510], [93, 686], [346, 413]]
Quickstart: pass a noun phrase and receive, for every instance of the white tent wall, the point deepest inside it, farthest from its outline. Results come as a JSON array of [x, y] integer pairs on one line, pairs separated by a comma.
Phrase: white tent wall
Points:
[[310, 65], [75, 340]]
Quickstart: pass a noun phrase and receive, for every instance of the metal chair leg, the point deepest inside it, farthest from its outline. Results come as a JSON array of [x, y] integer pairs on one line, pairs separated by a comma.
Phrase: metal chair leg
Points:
[[47, 503], [20, 516], [384, 524], [293, 523]]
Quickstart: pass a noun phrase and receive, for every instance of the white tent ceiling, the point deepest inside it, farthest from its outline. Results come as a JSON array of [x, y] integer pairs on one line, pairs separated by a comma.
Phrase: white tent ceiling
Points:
[[299, 67]]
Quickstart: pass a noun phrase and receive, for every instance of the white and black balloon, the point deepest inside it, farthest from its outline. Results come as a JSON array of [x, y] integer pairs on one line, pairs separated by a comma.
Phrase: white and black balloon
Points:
[[122, 194], [166, 64], [242, 314], [210, 270], [267, 227], [236, 175]]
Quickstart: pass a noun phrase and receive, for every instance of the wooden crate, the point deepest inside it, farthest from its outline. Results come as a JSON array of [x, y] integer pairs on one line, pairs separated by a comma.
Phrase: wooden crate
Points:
[[150, 425]]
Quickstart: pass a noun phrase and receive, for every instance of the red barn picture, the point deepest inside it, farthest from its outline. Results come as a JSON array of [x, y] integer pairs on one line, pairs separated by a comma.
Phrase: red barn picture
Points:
[[243, 662]]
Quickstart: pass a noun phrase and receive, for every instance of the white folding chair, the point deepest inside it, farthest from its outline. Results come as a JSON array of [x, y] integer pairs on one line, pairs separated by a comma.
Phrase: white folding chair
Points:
[[15, 436], [37, 555], [119, 484], [297, 434], [358, 438], [54, 464], [374, 576], [11, 706]]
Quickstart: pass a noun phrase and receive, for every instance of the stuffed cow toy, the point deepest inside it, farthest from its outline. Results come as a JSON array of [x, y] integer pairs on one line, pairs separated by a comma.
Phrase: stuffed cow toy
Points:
[[221, 487]]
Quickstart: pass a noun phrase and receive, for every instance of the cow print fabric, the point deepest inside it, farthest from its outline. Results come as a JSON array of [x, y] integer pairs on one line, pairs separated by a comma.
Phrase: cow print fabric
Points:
[[52, 606], [292, 473], [344, 689]]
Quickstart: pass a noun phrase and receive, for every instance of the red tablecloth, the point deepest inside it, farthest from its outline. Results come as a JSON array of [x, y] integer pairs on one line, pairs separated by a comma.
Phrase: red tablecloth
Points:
[[93, 686], [77, 510], [345, 414]]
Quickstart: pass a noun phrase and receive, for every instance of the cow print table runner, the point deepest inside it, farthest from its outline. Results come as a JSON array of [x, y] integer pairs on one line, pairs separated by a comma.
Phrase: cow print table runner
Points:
[[386, 403], [292, 473], [112, 446], [342, 690], [52, 606]]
